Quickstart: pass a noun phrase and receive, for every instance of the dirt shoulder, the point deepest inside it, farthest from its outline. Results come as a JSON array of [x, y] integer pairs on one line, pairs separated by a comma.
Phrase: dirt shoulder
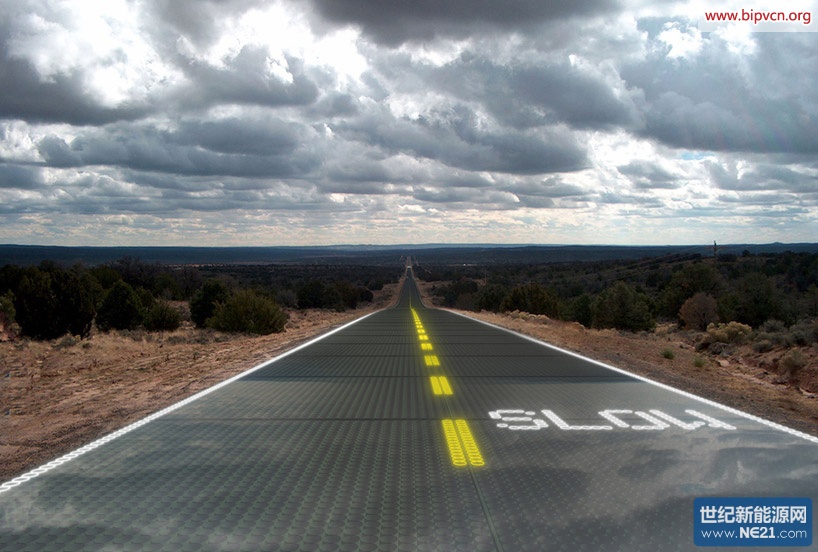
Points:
[[741, 379], [57, 395]]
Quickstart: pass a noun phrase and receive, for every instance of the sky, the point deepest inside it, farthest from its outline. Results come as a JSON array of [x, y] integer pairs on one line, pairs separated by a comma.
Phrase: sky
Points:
[[323, 122]]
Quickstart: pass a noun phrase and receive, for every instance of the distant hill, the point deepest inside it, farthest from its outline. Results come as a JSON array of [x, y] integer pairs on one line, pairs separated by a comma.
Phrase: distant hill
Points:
[[373, 254]]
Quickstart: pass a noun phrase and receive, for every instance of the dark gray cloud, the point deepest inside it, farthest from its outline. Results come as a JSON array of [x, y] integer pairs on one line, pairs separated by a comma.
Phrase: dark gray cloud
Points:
[[719, 100], [553, 188], [62, 98], [14, 176], [525, 95], [244, 79], [196, 149], [197, 21], [393, 22], [764, 177], [334, 104], [455, 138], [241, 136], [649, 176]]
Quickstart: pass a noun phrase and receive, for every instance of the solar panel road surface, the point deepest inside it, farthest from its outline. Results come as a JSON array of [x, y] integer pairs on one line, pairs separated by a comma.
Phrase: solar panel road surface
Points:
[[410, 429]]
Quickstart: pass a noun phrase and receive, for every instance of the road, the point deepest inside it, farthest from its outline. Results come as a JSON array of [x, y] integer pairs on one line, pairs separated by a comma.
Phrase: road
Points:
[[411, 429]]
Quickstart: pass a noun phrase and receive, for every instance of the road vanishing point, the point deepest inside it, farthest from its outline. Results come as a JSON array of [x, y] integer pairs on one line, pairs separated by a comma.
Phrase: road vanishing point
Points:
[[410, 429]]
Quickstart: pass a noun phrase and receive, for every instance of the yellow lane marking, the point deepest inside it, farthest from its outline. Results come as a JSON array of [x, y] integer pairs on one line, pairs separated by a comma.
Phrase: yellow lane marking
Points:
[[472, 452], [455, 448], [440, 385], [431, 360], [463, 449], [423, 337], [426, 346]]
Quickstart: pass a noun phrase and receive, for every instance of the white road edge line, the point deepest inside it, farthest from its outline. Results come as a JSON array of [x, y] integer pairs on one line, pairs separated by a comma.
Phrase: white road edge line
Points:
[[8, 485], [726, 408]]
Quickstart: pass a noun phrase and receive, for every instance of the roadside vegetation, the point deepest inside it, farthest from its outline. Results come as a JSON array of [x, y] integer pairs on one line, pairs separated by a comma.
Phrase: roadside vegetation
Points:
[[691, 290], [765, 302], [50, 301]]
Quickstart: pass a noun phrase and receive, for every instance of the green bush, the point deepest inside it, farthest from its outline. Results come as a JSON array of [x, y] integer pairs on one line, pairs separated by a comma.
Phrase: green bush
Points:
[[668, 354], [687, 282], [756, 300], [7, 312], [804, 333], [121, 309], [249, 312], [204, 302], [792, 362], [532, 298], [698, 362], [762, 346], [490, 297], [162, 317], [732, 332], [51, 302], [622, 307], [582, 310]]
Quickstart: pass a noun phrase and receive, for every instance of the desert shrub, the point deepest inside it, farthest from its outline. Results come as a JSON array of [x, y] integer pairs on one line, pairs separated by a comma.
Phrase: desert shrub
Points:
[[792, 362], [66, 342], [756, 300], [762, 346], [582, 310], [203, 304], [50, 302], [622, 307], [699, 311], [162, 317], [732, 332], [668, 354], [365, 295], [311, 295], [773, 326], [352, 295], [687, 282], [532, 298], [803, 333], [121, 309], [698, 362], [287, 298], [490, 297], [8, 315], [317, 295], [249, 312]]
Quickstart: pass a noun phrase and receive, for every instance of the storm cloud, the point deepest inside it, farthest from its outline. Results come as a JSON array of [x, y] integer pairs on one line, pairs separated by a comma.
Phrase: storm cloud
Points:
[[341, 121]]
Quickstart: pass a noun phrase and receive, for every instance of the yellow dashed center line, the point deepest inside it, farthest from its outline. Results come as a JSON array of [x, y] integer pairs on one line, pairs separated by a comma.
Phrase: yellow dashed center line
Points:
[[440, 385], [462, 446]]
